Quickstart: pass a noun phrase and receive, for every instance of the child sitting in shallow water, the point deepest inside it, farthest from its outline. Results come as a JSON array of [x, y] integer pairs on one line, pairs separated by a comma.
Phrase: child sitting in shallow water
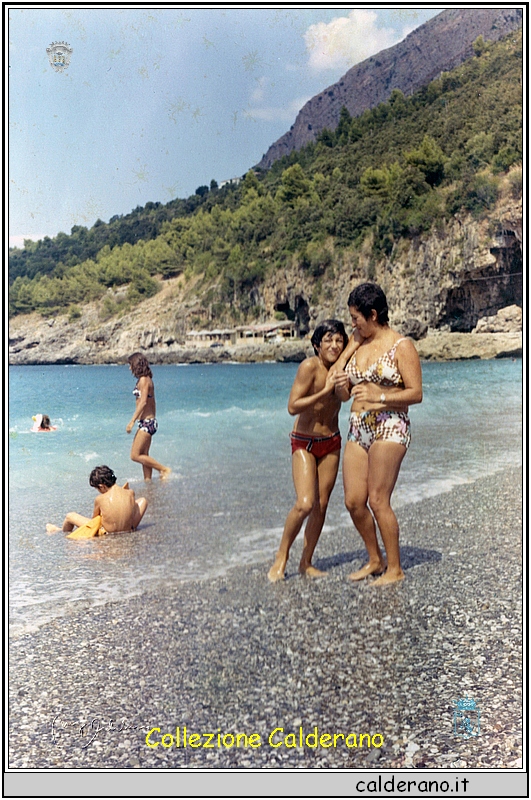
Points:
[[115, 509]]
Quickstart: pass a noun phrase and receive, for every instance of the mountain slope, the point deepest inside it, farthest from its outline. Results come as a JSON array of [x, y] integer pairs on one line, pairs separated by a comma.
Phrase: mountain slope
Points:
[[439, 45]]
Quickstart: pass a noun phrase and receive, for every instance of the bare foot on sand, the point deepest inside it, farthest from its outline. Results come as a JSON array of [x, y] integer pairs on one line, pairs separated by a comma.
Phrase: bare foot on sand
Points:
[[276, 573], [311, 571], [164, 473], [369, 569], [388, 578], [52, 528]]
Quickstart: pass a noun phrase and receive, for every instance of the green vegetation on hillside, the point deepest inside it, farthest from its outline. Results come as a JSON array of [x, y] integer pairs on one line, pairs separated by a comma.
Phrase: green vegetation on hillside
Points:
[[393, 172]]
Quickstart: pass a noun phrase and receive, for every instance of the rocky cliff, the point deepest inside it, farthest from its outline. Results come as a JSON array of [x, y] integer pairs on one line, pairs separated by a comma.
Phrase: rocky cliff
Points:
[[438, 46], [459, 278], [448, 280]]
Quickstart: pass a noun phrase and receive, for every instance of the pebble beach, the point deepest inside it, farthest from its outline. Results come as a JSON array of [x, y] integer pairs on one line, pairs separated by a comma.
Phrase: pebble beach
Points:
[[237, 655]]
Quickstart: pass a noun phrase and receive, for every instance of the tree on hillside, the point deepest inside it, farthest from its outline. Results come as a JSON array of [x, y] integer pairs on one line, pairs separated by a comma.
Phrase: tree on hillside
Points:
[[429, 159]]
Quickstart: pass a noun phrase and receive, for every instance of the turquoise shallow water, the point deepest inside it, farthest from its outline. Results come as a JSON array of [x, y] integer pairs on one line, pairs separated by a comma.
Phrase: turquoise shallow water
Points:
[[224, 431]]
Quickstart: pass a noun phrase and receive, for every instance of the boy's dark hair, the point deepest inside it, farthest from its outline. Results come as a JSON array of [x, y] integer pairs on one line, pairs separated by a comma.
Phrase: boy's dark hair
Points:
[[369, 296], [140, 366], [102, 475], [328, 326]]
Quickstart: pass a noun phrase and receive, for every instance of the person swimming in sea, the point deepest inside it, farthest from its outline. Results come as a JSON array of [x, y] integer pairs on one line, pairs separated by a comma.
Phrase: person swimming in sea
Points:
[[144, 393], [315, 445], [115, 509], [41, 423]]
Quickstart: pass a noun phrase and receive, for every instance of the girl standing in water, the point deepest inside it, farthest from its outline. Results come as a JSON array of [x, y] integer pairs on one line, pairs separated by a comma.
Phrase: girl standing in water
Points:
[[144, 393]]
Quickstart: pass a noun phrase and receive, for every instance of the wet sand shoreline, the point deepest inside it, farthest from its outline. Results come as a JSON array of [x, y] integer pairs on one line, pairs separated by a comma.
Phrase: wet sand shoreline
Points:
[[237, 655]]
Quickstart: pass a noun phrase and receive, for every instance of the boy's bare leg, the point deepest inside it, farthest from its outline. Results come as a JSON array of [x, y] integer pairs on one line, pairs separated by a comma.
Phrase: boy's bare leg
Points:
[[140, 509], [304, 469], [71, 521], [327, 468]]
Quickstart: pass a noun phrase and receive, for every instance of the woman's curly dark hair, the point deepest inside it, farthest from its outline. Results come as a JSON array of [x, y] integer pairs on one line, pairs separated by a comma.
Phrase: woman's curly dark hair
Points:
[[369, 296]]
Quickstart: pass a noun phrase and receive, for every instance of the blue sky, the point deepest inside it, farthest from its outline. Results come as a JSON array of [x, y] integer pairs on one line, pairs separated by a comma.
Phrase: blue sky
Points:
[[158, 101]]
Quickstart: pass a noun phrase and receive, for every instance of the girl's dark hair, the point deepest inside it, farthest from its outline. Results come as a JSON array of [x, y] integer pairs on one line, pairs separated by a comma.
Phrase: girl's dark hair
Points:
[[328, 326], [101, 475], [368, 297], [45, 422], [140, 366]]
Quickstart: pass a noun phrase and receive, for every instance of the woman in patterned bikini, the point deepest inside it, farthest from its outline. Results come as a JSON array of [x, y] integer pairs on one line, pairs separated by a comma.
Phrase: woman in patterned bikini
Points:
[[144, 393], [385, 379]]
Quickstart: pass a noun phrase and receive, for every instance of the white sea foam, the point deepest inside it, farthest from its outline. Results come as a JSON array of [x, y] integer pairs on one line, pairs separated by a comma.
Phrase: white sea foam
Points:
[[417, 492], [89, 456]]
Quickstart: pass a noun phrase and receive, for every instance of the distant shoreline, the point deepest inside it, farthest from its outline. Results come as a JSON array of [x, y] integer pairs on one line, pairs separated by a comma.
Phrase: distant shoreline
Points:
[[55, 345]]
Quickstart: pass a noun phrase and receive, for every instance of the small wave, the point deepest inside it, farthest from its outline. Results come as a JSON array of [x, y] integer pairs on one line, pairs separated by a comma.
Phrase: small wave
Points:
[[89, 456], [231, 411], [259, 535], [414, 494]]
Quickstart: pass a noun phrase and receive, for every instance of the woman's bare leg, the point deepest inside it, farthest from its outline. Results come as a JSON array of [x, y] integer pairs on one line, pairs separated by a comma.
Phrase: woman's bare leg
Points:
[[327, 468], [356, 486], [385, 459], [304, 469], [140, 454]]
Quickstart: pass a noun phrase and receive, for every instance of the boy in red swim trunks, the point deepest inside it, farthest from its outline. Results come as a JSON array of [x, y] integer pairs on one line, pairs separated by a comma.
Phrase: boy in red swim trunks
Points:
[[315, 444]]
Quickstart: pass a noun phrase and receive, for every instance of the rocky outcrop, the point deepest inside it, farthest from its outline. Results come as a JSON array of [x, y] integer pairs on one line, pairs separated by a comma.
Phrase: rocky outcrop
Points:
[[441, 44], [452, 278], [439, 346], [507, 320], [34, 341], [447, 281]]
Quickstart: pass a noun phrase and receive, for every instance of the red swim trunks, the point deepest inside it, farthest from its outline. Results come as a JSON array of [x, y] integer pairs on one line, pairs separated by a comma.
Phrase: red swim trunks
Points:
[[318, 446]]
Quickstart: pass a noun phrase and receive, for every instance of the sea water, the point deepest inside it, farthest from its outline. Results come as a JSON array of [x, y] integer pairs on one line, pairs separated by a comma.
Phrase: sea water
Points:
[[223, 429]]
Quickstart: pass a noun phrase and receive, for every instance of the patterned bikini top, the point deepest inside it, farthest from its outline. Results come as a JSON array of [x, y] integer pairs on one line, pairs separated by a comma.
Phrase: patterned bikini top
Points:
[[137, 393], [383, 372]]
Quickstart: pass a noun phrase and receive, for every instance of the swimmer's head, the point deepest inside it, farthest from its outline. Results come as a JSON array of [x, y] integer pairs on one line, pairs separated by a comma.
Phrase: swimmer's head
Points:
[[102, 475], [328, 326], [139, 366], [45, 422]]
